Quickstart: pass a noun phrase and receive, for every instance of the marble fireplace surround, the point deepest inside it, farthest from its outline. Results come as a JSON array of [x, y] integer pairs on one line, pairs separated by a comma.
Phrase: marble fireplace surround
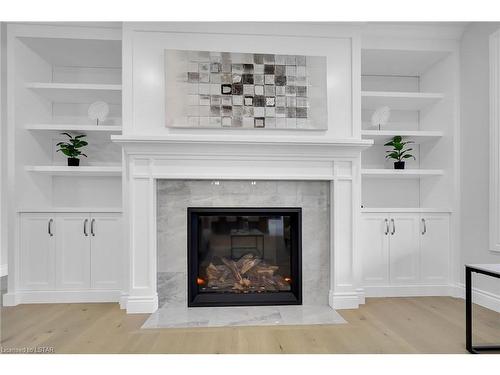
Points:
[[175, 196], [187, 157]]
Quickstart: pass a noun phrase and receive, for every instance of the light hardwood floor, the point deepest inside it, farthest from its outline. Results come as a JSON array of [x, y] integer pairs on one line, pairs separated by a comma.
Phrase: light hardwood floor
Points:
[[383, 325]]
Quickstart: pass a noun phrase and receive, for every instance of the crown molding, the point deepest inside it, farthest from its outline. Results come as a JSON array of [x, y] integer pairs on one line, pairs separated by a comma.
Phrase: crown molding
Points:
[[414, 30]]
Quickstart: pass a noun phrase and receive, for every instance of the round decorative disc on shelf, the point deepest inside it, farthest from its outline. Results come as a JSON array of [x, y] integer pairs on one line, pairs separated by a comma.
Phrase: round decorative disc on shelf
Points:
[[381, 116], [98, 111]]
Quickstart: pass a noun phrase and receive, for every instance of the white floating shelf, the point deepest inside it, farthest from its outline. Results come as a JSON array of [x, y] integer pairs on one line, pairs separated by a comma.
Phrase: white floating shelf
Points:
[[70, 209], [78, 92], [400, 173], [384, 136], [75, 128], [62, 170], [405, 209], [412, 101]]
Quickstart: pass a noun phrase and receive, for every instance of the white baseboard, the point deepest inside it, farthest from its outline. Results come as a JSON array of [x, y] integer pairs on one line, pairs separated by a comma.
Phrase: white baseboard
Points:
[[344, 300], [4, 271], [480, 297], [361, 296], [123, 301], [483, 298], [407, 290], [141, 304], [66, 296]]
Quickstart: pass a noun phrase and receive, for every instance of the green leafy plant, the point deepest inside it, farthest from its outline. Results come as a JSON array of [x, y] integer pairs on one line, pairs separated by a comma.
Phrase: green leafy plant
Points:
[[399, 151], [72, 148]]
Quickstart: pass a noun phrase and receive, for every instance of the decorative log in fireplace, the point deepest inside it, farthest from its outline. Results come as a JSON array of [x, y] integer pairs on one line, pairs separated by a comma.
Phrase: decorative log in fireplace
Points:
[[244, 256]]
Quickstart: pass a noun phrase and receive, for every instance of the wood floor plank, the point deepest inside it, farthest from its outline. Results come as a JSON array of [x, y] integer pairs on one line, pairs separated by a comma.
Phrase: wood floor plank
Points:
[[382, 325]]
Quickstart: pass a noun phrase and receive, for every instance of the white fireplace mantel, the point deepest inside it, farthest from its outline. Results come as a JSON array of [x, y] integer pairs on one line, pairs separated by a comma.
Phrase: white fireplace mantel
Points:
[[152, 157]]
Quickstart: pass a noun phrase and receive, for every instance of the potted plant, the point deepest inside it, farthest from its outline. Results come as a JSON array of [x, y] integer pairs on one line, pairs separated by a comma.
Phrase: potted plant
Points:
[[72, 149], [399, 151]]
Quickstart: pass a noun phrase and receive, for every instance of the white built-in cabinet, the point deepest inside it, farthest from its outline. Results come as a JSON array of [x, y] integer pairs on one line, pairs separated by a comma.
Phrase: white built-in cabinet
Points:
[[407, 226], [106, 251], [405, 249], [70, 251], [435, 248], [37, 264], [73, 246], [64, 222]]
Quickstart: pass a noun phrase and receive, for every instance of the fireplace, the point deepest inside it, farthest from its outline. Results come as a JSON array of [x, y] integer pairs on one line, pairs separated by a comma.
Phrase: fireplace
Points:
[[244, 256], [167, 174]]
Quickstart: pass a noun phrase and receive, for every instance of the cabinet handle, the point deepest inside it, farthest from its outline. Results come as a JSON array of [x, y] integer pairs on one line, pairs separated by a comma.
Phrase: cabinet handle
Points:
[[386, 227], [393, 227], [85, 227], [92, 227], [424, 231], [49, 227]]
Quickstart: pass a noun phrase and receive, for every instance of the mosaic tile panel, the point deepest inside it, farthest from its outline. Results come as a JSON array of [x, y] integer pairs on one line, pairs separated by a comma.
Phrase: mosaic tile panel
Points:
[[246, 90]]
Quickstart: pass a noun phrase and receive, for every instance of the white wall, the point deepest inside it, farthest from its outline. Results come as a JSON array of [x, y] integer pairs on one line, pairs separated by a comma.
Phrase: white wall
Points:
[[144, 69], [3, 144], [474, 80]]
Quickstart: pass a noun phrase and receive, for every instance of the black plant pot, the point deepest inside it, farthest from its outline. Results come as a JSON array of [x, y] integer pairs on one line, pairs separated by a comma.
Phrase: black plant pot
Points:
[[399, 165], [73, 162]]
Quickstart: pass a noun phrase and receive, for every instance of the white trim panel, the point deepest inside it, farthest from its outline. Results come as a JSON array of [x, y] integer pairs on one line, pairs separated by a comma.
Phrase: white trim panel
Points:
[[407, 290], [495, 141], [4, 270]]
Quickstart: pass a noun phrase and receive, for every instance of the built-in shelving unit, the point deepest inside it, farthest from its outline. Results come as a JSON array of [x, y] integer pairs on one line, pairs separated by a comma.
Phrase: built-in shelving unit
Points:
[[59, 72], [100, 48], [77, 92], [410, 101], [70, 209], [74, 128], [418, 87], [401, 173], [405, 209], [62, 170], [417, 136], [409, 232]]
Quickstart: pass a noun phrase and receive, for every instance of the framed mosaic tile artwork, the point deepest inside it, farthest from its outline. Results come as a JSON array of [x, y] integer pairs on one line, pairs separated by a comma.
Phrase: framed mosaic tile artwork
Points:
[[207, 89]]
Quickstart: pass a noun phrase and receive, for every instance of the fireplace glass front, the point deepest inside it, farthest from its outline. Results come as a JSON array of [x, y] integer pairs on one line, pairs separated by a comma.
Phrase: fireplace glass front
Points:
[[244, 256]]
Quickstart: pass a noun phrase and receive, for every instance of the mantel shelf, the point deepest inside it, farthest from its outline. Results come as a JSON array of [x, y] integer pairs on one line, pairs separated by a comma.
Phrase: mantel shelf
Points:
[[75, 128], [81, 171], [418, 136], [400, 173], [411, 101], [77, 92], [239, 140]]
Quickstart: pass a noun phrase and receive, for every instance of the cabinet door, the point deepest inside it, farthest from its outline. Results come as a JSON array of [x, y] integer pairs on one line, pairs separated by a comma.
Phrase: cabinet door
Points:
[[404, 248], [434, 248], [374, 248], [107, 251], [73, 251], [37, 252]]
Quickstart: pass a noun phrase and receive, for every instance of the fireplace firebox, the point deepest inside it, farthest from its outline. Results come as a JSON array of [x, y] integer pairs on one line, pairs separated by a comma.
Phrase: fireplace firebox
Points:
[[244, 256]]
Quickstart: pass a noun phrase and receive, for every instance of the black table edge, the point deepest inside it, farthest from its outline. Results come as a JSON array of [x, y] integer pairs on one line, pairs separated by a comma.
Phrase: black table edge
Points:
[[468, 311]]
